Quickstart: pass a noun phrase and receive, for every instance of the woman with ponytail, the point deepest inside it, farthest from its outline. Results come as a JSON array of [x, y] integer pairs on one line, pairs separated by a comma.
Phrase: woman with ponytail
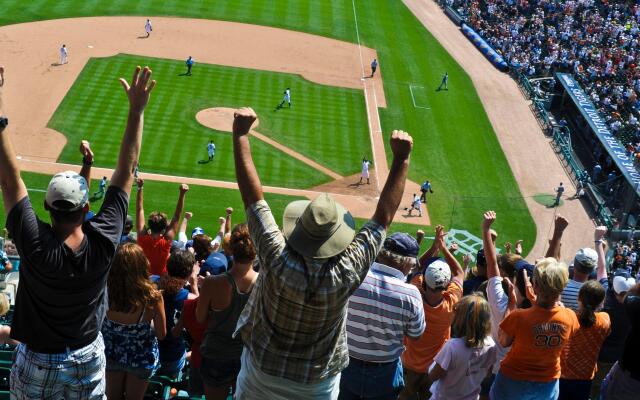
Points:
[[580, 355], [222, 299]]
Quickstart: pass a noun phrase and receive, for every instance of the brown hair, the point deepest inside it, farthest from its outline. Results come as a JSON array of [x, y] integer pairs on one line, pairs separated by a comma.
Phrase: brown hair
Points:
[[591, 295], [507, 263], [157, 222], [179, 268], [202, 246], [128, 282], [241, 245], [471, 320]]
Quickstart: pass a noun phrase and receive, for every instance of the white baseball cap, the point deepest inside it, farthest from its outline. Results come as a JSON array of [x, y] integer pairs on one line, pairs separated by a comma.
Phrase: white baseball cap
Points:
[[587, 258], [67, 191], [622, 284], [437, 275]]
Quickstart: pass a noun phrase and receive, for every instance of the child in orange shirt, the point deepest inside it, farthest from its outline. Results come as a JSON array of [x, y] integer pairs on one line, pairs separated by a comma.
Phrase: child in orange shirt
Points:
[[580, 355], [441, 287], [536, 336]]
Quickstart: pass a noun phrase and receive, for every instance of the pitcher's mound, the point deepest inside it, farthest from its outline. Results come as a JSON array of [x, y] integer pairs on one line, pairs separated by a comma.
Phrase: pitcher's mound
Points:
[[219, 118]]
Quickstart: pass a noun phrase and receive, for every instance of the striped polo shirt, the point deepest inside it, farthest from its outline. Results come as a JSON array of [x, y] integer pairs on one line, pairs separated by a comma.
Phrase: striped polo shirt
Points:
[[570, 294], [381, 312]]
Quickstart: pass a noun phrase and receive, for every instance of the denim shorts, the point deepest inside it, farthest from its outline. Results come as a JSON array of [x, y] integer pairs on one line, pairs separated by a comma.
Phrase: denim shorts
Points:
[[76, 374], [216, 373], [507, 388], [140, 373]]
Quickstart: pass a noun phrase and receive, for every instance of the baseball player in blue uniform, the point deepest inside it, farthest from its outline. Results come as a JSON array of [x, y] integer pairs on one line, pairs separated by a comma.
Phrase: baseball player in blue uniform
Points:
[[374, 66], [189, 64], [445, 81]]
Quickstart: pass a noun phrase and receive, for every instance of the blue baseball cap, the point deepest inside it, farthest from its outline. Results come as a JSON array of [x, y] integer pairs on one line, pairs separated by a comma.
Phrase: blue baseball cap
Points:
[[524, 264], [215, 264], [402, 244], [197, 231]]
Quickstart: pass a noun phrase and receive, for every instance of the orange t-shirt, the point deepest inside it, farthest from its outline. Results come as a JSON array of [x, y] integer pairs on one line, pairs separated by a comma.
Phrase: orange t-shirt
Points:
[[539, 334], [157, 252], [419, 354], [580, 355]]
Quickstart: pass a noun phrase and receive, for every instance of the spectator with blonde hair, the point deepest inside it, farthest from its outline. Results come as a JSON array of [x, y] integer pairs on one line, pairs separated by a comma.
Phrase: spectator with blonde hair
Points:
[[134, 323], [537, 336], [460, 366]]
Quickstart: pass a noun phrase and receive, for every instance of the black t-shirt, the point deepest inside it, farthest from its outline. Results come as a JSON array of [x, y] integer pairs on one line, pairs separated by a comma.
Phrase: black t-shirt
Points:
[[631, 354], [613, 345], [61, 298]]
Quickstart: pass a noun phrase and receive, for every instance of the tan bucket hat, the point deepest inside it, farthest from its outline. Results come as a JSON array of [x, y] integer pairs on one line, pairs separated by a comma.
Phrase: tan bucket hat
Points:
[[321, 228]]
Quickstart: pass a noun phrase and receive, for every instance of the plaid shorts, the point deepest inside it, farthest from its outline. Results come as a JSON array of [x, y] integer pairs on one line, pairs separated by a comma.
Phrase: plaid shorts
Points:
[[77, 374]]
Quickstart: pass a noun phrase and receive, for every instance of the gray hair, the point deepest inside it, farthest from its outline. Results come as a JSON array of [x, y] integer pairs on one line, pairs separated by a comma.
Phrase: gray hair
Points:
[[394, 260]]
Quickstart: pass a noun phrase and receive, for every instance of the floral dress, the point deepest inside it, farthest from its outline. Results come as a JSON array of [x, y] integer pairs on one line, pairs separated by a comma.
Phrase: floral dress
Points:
[[132, 346]]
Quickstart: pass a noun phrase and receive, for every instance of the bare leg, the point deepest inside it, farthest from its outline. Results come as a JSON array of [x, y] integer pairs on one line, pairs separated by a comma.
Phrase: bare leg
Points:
[[135, 387], [115, 385]]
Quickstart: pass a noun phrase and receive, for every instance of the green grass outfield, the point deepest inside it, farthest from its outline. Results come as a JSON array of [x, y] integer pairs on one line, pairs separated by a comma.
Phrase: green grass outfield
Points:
[[456, 147], [174, 141]]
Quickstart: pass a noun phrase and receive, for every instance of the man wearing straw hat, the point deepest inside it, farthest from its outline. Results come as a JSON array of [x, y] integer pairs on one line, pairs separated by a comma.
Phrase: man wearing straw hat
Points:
[[293, 326]]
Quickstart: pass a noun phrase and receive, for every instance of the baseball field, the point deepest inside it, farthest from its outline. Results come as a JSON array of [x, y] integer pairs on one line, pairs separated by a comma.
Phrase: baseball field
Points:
[[317, 145]]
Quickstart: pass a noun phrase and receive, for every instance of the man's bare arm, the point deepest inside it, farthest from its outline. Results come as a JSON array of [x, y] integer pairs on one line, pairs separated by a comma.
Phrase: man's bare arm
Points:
[[11, 184], [138, 93], [456, 269], [246, 174], [555, 243], [227, 225], [598, 237], [170, 233], [87, 161], [401, 144]]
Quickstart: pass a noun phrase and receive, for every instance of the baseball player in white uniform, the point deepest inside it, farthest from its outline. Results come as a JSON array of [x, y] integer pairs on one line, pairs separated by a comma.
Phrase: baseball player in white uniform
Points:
[[416, 204], [63, 54], [148, 28], [286, 98], [211, 150], [365, 171]]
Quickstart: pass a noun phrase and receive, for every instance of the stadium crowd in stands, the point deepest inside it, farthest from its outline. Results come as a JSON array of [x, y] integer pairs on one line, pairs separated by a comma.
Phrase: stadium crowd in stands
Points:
[[311, 308], [596, 40]]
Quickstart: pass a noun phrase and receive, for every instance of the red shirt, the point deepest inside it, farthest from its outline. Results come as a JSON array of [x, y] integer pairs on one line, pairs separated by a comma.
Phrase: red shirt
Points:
[[157, 252], [195, 329]]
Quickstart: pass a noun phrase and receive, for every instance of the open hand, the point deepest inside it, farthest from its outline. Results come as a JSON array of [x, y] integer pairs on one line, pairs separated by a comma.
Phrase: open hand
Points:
[[243, 118], [489, 218], [85, 150], [401, 143], [139, 90]]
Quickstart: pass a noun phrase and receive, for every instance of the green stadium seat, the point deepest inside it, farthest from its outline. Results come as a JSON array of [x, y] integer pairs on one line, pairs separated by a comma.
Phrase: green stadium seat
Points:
[[5, 395], [5, 373], [157, 391]]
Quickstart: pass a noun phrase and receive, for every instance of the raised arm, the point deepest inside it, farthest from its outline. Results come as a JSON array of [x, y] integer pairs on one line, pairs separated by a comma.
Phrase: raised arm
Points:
[[489, 247], [555, 243], [182, 232], [227, 225], [598, 236], [138, 93], [170, 233], [401, 144], [431, 252], [11, 184], [140, 208], [87, 161], [246, 174], [456, 270]]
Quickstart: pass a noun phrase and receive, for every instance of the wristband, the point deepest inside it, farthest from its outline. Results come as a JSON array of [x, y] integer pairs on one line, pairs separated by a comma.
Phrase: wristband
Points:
[[85, 162]]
